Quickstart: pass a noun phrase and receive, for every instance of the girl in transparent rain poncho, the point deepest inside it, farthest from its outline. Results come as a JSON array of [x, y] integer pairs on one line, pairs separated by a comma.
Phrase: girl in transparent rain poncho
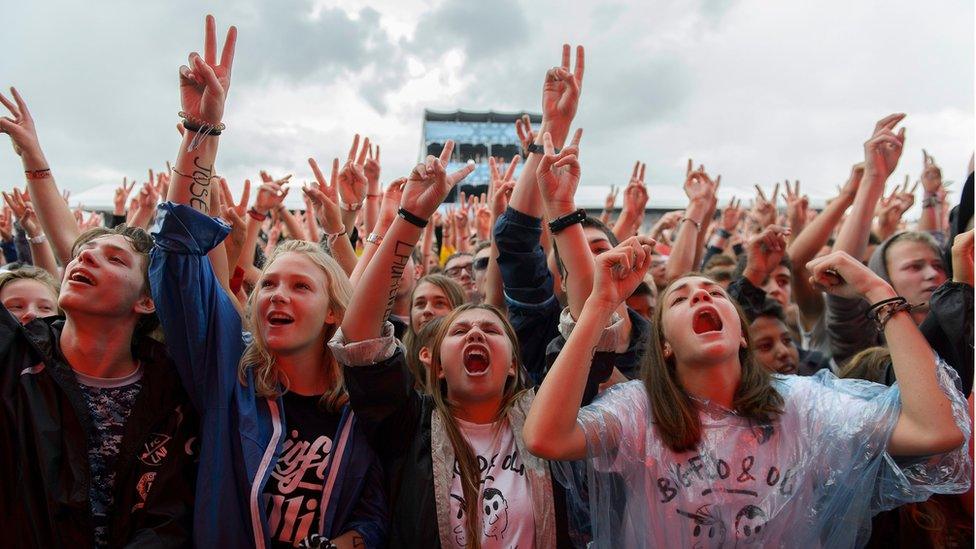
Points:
[[710, 450]]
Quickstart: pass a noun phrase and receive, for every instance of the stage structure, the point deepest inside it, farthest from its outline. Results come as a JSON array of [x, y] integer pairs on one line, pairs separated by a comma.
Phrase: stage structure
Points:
[[477, 136]]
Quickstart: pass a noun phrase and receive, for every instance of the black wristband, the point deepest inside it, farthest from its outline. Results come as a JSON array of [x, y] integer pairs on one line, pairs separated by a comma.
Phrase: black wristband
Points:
[[561, 223], [412, 219], [196, 129], [534, 148], [723, 233]]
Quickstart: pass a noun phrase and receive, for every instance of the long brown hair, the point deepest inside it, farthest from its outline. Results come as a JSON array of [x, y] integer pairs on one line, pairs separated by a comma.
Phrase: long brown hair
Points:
[[411, 339], [467, 461], [674, 414], [269, 381]]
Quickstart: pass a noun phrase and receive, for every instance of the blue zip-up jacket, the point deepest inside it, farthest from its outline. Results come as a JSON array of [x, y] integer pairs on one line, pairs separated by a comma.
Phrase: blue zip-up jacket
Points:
[[241, 432]]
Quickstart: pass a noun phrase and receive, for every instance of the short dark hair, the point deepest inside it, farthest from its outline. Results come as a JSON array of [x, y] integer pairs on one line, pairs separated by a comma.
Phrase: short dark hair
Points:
[[642, 289], [769, 308], [740, 266], [588, 222]]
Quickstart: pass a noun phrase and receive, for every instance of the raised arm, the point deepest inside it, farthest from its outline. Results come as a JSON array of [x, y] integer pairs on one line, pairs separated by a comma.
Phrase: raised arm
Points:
[[325, 200], [560, 99], [499, 193], [926, 425], [551, 430], [932, 202], [41, 253], [558, 177], [373, 297], [806, 245], [700, 190], [881, 154], [56, 219]]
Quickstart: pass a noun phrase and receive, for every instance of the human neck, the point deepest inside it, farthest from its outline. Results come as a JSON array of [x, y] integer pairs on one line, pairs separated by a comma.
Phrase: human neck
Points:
[[482, 412], [307, 369], [98, 348], [713, 381], [401, 307]]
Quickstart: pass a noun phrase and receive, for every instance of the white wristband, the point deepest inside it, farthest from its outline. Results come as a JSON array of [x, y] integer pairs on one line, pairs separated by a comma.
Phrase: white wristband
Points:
[[39, 239]]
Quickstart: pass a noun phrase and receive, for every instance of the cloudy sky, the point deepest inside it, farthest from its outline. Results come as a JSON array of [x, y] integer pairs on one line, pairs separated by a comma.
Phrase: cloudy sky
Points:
[[758, 91]]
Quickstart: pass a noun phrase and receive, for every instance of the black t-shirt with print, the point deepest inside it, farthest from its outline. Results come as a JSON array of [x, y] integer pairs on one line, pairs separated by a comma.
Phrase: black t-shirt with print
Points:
[[294, 489]]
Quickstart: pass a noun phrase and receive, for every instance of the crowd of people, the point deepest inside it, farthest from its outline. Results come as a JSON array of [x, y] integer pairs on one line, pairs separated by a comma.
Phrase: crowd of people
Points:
[[206, 369]]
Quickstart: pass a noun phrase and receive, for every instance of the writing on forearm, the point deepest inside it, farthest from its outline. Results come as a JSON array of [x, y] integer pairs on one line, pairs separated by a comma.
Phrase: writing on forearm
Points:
[[401, 254], [199, 185]]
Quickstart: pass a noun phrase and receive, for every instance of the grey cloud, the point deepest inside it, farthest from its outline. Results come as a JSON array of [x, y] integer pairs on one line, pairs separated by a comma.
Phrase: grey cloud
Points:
[[482, 29]]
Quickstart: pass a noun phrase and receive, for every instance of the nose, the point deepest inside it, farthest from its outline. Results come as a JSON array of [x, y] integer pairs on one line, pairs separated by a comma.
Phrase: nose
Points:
[[31, 314], [475, 334], [86, 256], [701, 294], [931, 272], [781, 350], [277, 296]]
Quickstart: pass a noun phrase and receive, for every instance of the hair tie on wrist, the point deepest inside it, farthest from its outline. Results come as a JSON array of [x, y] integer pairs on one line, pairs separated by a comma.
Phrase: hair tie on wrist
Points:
[[256, 215]]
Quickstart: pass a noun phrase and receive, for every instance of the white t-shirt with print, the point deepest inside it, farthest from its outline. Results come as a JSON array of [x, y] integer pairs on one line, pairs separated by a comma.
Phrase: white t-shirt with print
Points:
[[506, 503]]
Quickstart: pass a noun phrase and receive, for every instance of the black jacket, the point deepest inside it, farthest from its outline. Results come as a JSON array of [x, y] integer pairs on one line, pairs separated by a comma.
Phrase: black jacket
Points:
[[397, 420], [44, 470]]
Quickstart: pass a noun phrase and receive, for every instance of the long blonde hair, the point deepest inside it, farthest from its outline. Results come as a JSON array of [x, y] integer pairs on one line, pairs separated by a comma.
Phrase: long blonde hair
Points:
[[269, 381], [467, 461]]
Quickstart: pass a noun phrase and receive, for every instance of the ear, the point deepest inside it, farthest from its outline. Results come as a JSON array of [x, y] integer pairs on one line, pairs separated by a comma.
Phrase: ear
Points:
[[666, 351], [743, 343], [424, 356], [331, 317], [144, 306]]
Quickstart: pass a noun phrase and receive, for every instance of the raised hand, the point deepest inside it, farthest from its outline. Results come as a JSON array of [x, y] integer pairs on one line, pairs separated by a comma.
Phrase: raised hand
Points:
[[796, 206], [352, 177], [698, 186], [931, 174], [523, 128], [429, 183], [325, 198], [853, 182], [620, 270], [501, 185], [204, 83], [764, 208], [558, 176], [883, 149], [840, 274], [271, 194], [764, 251], [371, 169], [22, 209], [391, 201], [21, 130], [561, 91], [611, 200], [6, 224], [228, 197], [121, 195], [731, 215]]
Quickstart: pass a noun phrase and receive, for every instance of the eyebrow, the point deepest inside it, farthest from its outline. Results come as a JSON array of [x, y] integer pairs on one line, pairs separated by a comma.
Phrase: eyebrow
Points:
[[91, 244], [684, 285]]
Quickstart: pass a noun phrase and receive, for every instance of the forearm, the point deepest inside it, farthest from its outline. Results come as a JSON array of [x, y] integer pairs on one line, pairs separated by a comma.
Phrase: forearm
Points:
[[815, 235], [578, 261], [853, 236], [525, 195], [312, 230], [622, 228], [372, 208], [494, 286], [374, 295], [931, 219], [250, 243], [700, 242], [926, 413], [550, 429], [193, 173], [683, 251], [43, 257], [293, 225], [56, 219], [344, 254]]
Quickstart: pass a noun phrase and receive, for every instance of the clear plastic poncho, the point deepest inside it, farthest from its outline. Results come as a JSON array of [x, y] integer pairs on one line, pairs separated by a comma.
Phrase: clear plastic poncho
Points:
[[813, 479]]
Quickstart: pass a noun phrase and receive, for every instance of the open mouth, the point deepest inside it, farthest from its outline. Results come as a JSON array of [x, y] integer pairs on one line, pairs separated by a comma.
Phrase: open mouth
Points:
[[706, 320], [475, 359], [277, 318], [82, 277], [786, 368]]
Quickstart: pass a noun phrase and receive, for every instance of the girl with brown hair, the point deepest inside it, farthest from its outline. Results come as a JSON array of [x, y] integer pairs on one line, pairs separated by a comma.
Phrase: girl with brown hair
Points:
[[714, 450], [460, 475]]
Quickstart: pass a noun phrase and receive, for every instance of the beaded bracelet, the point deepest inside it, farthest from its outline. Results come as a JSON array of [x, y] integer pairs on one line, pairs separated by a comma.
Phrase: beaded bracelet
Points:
[[34, 175]]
